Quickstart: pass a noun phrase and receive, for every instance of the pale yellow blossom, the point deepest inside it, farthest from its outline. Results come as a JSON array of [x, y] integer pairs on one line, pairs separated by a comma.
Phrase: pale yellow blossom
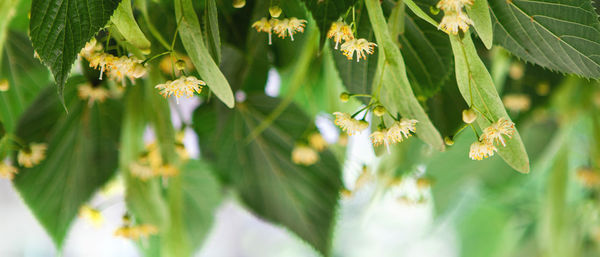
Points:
[[304, 155], [180, 87], [92, 215], [480, 150], [92, 94], [32, 155], [7, 170], [339, 31], [349, 124], [289, 27], [452, 22], [361, 46], [496, 131]]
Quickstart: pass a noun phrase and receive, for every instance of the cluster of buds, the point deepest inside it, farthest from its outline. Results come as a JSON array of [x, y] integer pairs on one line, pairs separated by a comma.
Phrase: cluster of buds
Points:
[[340, 31], [455, 19], [401, 128], [307, 154], [116, 68], [283, 28]]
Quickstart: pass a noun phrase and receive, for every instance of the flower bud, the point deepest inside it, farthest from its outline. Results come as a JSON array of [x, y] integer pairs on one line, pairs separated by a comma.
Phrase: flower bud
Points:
[[275, 11], [379, 110], [239, 3], [469, 116], [4, 86], [344, 97], [448, 141], [180, 65]]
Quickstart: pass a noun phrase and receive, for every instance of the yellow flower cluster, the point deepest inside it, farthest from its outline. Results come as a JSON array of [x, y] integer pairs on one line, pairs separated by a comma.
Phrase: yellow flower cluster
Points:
[[92, 93], [493, 134], [339, 31], [116, 68], [455, 18], [137, 231], [32, 155], [92, 215], [151, 165], [282, 28], [180, 87], [7, 170], [348, 124], [308, 154]]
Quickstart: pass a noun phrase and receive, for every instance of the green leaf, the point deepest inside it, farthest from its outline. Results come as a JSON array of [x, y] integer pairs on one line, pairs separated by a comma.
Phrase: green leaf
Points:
[[25, 75], [7, 11], [326, 12], [65, 180], [477, 88], [193, 42], [128, 27], [396, 93], [211, 28], [428, 56], [561, 35], [479, 12], [202, 196], [59, 30], [301, 198]]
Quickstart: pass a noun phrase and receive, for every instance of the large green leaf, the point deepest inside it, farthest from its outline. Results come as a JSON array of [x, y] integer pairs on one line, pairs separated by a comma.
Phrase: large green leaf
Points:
[[561, 35], [59, 29], [477, 88], [56, 188], [427, 54], [193, 42], [25, 75], [202, 196], [326, 12], [396, 93], [301, 198]]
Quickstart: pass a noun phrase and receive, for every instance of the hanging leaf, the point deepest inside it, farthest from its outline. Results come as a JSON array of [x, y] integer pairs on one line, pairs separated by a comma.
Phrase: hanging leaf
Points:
[[479, 12], [193, 42], [59, 30], [560, 35], [396, 93], [211, 27], [128, 27], [301, 198], [326, 12], [65, 179], [427, 54], [477, 88], [25, 76]]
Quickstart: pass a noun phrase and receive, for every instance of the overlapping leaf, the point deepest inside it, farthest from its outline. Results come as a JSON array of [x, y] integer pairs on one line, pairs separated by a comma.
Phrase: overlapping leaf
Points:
[[60, 28], [65, 179], [562, 35], [301, 198]]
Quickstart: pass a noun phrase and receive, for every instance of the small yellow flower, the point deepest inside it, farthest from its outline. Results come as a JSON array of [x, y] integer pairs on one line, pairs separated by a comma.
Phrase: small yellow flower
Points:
[[453, 5], [180, 87], [92, 94], [116, 68], [452, 22], [317, 141], [90, 49], [7, 171], [141, 169], [4, 85], [154, 156], [401, 129], [289, 27], [339, 31], [588, 177], [517, 102], [349, 124], [480, 150], [304, 155], [361, 46], [92, 215], [379, 137], [265, 25], [32, 155], [167, 170], [495, 132], [136, 232]]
